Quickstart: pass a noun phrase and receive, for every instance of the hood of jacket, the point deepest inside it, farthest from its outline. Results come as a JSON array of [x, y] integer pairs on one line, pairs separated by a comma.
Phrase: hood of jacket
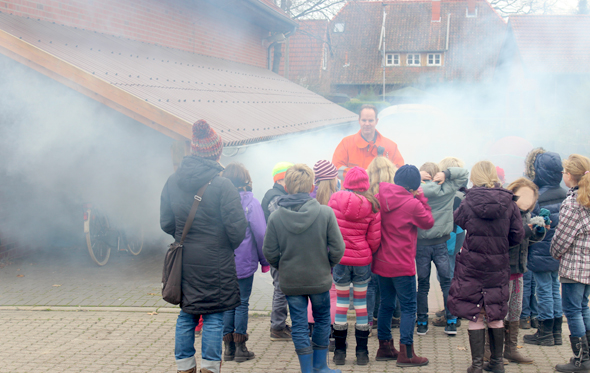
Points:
[[195, 171], [548, 169], [297, 222], [489, 203], [393, 197], [353, 206]]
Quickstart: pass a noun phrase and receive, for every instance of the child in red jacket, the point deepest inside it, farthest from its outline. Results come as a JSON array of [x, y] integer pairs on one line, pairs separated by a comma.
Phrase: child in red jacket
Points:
[[357, 213], [404, 209]]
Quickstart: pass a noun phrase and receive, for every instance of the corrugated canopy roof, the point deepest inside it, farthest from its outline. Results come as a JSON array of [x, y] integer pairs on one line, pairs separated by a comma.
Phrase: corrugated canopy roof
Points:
[[553, 43], [168, 89]]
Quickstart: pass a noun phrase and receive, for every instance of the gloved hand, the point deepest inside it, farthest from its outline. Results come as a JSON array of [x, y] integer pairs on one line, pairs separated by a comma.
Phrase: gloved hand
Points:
[[265, 269]]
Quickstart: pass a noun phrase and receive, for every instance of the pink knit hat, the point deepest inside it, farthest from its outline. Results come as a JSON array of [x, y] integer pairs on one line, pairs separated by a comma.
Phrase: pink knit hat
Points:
[[357, 179]]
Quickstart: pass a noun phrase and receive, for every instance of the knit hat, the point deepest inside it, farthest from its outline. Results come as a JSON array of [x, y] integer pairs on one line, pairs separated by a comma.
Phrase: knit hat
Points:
[[408, 177], [501, 174], [324, 170], [206, 142], [357, 179], [279, 170]]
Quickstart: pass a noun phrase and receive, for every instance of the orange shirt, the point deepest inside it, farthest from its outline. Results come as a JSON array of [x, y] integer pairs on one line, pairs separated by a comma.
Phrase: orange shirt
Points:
[[354, 151]]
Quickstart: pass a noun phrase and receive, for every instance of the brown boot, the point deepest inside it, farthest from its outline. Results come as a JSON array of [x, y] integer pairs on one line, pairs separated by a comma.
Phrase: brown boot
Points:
[[407, 357], [230, 347], [242, 353], [510, 344], [386, 351], [204, 370], [191, 370]]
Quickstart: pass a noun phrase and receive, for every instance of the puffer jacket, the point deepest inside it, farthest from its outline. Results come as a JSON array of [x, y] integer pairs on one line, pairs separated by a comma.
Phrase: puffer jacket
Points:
[[547, 175], [441, 198], [249, 253], [359, 225], [401, 216], [209, 280], [482, 271]]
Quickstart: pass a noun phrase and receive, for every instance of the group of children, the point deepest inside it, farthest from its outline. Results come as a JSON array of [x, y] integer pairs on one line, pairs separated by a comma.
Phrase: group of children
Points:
[[323, 235]]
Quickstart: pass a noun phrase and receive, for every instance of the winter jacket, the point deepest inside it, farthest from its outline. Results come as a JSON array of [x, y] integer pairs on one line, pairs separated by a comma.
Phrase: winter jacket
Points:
[[354, 151], [482, 271], [401, 216], [209, 281], [277, 190], [571, 242], [303, 245], [249, 253], [359, 225], [441, 198], [519, 253]]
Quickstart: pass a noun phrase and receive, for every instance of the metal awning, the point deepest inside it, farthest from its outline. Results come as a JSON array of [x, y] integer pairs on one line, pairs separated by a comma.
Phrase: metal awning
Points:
[[169, 89]]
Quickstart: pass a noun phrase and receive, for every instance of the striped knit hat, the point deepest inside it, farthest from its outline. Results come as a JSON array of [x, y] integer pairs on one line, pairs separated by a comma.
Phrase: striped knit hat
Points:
[[324, 170], [206, 142], [279, 170]]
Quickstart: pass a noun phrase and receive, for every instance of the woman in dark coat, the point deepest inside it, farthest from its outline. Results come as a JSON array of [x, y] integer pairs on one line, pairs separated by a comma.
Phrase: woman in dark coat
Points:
[[209, 280], [492, 221]]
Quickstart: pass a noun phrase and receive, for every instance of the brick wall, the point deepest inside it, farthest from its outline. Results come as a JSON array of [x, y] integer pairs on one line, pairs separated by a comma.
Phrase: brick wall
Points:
[[190, 25]]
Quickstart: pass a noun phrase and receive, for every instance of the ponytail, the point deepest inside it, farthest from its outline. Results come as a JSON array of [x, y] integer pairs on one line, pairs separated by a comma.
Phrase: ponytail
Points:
[[584, 190], [578, 167], [371, 198], [484, 174]]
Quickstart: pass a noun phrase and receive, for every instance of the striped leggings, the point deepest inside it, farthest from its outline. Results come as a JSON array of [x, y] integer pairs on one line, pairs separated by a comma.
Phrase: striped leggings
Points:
[[359, 301]]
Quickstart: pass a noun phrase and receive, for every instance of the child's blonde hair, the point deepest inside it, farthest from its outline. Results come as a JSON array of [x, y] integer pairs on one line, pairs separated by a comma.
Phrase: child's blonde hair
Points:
[[578, 167], [523, 182], [299, 179], [380, 170], [324, 190], [484, 174], [430, 168], [450, 162]]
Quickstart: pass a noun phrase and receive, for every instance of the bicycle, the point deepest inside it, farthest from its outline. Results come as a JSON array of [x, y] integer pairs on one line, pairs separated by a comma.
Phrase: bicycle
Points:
[[101, 237]]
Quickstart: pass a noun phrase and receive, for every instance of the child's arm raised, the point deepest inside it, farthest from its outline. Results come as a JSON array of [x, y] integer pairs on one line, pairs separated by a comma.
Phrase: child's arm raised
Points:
[[422, 217]]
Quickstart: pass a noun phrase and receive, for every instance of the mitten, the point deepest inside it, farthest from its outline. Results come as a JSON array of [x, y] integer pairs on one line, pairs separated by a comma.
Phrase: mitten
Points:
[[265, 269], [545, 214], [538, 223]]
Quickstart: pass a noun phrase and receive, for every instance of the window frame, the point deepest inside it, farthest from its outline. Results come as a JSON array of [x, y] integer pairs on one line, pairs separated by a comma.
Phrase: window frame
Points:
[[393, 55], [337, 28], [434, 59], [415, 62]]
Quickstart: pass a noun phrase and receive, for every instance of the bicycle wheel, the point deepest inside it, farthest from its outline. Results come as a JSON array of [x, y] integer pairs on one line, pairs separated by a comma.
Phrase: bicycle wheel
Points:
[[96, 227], [135, 242]]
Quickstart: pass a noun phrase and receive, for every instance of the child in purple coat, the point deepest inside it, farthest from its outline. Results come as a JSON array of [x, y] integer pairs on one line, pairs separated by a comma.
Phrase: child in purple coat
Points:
[[248, 255]]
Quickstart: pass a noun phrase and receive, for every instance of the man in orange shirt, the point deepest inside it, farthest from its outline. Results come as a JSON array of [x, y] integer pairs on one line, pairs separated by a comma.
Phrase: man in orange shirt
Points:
[[362, 147]]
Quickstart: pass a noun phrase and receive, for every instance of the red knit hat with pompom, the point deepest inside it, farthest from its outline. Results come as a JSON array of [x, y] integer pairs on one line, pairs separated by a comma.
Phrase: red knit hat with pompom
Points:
[[206, 142], [357, 179]]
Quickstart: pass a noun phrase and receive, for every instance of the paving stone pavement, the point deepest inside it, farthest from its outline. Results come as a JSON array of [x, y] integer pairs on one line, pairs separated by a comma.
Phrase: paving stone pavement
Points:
[[108, 341]]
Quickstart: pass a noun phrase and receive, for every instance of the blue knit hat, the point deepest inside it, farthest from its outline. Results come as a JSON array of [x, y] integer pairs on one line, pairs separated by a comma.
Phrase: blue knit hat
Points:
[[408, 177]]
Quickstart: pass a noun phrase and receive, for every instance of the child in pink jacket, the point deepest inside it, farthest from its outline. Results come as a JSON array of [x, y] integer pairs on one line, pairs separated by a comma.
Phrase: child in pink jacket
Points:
[[357, 213]]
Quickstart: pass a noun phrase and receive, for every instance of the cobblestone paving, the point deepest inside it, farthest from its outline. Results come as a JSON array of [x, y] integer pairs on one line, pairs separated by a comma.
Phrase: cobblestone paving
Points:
[[77, 341]]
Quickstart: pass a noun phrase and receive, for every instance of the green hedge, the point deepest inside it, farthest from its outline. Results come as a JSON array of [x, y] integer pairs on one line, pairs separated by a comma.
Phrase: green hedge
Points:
[[355, 104]]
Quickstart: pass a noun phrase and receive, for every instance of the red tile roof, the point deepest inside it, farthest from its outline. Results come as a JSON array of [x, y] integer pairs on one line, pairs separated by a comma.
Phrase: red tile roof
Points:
[[553, 43], [473, 42], [168, 89], [306, 52]]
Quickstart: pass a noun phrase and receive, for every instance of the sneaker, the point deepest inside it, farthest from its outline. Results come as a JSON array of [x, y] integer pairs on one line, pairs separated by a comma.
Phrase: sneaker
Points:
[[281, 334], [451, 329], [395, 322], [422, 328]]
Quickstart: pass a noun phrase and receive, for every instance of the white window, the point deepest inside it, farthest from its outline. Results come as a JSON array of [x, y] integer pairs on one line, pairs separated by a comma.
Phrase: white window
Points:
[[325, 58], [413, 60], [434, 59], [392, 59], [339, 27]]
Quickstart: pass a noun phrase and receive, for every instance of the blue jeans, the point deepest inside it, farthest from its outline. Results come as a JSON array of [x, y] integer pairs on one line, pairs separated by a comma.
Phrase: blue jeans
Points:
[[184, 349], [440, 256], [373, 297], [404, 288], [346, 275], [320, 307], [529, 297], [575, 307], [236, 320], [548, 298]]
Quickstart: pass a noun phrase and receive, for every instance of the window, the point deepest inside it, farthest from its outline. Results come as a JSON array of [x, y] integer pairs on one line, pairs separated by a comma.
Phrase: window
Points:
[[325, 58], [413, 60], [339, 27], [391, 59], [434, 59]]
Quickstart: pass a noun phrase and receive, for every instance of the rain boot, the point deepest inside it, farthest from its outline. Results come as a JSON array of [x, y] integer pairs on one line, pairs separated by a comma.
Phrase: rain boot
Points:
[[496, 363], [306, 363], [340, 333], [511, 344], [386, 351], [242, 353], [557, 323], [407, 357], [230, 347], [581, 360], [543, 336], [361, 333], [320, 362], [476, 343]]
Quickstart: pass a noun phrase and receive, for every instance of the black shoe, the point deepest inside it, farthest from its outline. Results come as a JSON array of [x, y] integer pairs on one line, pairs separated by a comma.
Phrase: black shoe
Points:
[[543, 336], [525, 323], [422, 328], [362, 351], [534, 323], [557, 322], [340, 333], [451, 329], [581, 360]]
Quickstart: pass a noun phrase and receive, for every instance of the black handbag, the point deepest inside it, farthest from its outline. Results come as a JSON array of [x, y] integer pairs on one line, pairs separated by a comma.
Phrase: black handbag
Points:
[[172, 272]]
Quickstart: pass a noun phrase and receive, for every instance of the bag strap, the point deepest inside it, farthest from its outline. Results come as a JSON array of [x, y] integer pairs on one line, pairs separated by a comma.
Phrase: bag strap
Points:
[[191, 214]]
